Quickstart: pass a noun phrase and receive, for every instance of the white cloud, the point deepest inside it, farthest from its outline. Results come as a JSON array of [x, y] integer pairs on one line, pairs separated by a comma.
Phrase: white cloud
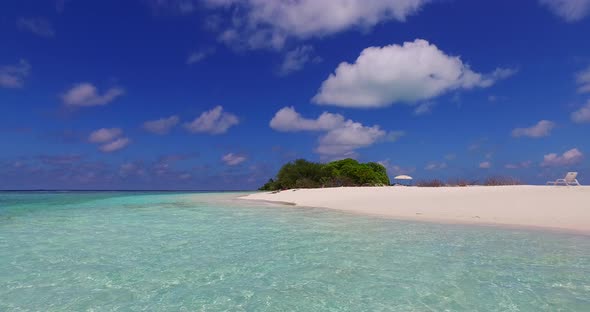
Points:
[[296, 59], [344, 140], [115, 145], [568, 158], [583, 81], [198, 56], [485, 165], [214, 121], [451, 156], [424, 108], [85, 94], [110, 138], [582, 115], [161, 126], [105, 135], [569, 10], [524, 164], [288, 120], [436, 166], [38, 26], [13, 76], [541, 129], [341, 138], [232, 159], [412, 72], [269, 23], [131, 169]]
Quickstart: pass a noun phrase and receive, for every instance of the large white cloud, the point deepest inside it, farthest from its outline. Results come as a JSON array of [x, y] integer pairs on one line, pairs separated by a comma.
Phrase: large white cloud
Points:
[[13, 76], [582, 115], [412, 72], [214, 121], [541, 129], [568, 158], [569, 10], [86, 94], [162, 125], [269, 23], [340, 137]]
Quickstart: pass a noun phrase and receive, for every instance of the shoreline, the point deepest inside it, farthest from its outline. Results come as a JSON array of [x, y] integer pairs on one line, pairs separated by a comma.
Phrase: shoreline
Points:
[[547, 208]]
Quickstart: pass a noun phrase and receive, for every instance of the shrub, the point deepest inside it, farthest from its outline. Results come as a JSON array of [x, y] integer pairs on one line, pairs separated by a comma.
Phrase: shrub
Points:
[[430, 183], [495, 181]]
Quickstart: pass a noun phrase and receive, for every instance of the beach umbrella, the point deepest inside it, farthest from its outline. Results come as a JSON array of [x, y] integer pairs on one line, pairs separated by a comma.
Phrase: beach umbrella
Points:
[[403, 177]]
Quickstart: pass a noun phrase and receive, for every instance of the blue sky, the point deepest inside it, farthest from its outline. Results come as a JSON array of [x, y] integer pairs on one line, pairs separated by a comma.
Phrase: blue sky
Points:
[[217, 94]]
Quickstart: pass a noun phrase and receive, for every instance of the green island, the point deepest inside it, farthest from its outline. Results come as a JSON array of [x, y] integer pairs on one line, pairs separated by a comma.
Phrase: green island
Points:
[[346, 172]]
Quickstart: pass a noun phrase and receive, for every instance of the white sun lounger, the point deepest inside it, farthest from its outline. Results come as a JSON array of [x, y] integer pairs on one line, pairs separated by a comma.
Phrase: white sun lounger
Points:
[[570, 179]]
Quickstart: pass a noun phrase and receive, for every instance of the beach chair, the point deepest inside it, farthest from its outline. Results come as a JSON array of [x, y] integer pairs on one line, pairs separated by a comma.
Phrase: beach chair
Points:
[[570, 179]]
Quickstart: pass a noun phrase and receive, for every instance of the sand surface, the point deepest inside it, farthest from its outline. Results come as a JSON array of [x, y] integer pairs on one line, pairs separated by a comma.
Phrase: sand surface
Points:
[[550, 207]]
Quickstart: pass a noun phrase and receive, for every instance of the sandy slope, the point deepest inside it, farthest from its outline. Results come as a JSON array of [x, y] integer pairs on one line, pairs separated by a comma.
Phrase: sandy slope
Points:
[[565, 208]]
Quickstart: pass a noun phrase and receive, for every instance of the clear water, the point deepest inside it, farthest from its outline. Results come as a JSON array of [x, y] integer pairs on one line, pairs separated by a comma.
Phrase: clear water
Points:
[[209, 252]]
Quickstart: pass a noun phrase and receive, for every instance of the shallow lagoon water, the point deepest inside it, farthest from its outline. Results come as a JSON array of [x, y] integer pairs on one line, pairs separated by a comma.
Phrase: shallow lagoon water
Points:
[[210, 252]]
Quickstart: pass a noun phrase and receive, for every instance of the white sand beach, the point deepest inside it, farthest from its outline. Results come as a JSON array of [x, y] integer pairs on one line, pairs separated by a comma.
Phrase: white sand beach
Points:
[[550, 207]]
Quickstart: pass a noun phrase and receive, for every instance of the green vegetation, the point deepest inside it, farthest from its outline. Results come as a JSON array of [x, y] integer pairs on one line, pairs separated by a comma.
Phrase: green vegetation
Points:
[[346, 172]]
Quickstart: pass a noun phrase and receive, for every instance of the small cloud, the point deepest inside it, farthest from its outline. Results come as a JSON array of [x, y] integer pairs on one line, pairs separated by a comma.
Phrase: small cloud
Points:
[[59, 159], [485, 165], [116, 145], [214, 121], [182, 7], [85, 95], [161, 126], [232, 159], [38, 26], [288, 120], [450, 156], [569, 10], [394, 136], [436, 166], [582, 115], [185, 176], [521, 165], [341, 137], [297, 58], [583, 81], [110, 138], [13, 76], [541, 129], [568, 158], [198, 56], [424, 108], [105, 135]]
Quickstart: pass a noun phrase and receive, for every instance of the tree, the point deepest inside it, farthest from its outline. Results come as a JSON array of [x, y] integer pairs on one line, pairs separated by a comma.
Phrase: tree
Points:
[[346, 172]]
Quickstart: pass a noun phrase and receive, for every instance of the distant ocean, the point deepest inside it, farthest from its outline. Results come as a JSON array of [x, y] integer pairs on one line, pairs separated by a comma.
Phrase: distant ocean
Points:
[[132, 251]]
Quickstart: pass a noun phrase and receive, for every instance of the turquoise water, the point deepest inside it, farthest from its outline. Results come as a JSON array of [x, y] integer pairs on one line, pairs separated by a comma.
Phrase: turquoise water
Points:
[[209, 252]]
